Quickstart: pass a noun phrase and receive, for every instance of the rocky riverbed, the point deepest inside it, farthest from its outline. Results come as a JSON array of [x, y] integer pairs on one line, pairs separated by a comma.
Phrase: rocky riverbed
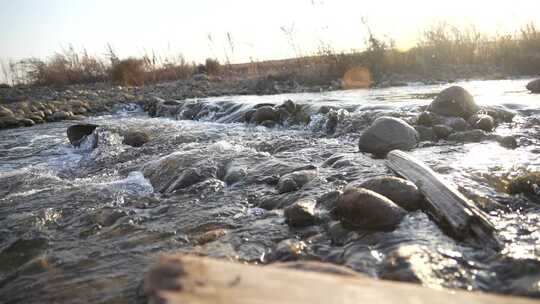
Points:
[[261, 179]]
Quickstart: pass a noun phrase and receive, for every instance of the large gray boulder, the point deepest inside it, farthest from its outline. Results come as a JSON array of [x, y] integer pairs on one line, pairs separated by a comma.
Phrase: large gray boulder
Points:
[[534, 86], [366, 209], [387, 134], [454, 101]]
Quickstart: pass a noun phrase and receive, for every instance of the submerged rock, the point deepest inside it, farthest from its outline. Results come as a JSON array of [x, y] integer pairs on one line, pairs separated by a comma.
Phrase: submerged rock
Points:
[[499, 113], [387, 134], [442, 131], [287, 250], [454, 101], [179, 170], [456, 123], [534, 86], [428, 119], [508, 141], [295, 180], [136, 138], [469, 136], [77, 133], [419, 264], [528, 183], [20, 252], [400, 191], [366, 209], [426, 133], [265, 113], [301, 213], [482, 121]]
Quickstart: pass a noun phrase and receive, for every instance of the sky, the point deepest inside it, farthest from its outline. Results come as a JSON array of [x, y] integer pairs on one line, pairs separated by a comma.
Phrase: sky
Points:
[[259, 29]]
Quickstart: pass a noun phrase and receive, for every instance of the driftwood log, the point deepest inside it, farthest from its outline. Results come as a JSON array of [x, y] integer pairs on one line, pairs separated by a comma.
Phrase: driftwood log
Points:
[[454, 213], [181, 279]]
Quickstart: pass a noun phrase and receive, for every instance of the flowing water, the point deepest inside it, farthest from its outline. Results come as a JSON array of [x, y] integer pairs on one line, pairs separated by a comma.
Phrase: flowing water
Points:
[[81, 226]]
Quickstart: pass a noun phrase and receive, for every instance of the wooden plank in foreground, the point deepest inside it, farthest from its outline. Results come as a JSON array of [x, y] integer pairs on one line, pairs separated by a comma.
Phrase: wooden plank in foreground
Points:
[[181, 279], [452, 211]]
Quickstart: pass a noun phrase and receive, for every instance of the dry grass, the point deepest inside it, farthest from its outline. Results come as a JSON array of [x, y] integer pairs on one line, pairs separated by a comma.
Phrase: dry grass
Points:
[[440, 48], [128, 72]]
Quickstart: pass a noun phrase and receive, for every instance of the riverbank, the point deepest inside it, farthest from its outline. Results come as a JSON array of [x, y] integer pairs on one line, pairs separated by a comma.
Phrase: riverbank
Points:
[[30, 105]]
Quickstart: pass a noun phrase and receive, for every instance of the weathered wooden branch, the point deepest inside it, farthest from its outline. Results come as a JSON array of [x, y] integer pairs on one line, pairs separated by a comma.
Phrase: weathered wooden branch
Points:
[[181, 279], [454, 213]]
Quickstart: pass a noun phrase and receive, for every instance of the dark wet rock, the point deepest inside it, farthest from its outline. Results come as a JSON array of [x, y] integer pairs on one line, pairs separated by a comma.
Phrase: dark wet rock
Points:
[[20, 252], [521, 276], [469, 136], [295, 180], [179, 171], [332, 120], [456, 123], [442, 131], [289, 106], [454, 101], [332, 159], [414, 263], [400, 191], [428, 119], [528, 183], [534, 86], [265, 113], [287, 250], [426, 133], [108, 216], [248, 115], [338, 233], [301, 213], [499, 113], [136, 138], [297, 115], [235, 175], [328, 201], [268, 123], [167, 108], [337, 161], [508, 141], [366, 209], [77, 133], [387, 134], [482, 121]]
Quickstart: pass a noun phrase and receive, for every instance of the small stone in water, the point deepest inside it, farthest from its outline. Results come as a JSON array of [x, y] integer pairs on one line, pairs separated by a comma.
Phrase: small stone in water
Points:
[[301, 213], [366, 209], [402, 192], [136, 138]]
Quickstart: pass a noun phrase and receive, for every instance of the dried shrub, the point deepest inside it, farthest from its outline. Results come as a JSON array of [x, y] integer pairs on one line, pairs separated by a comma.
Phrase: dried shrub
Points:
[[68, 67], [128, 72], [210, 67]]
